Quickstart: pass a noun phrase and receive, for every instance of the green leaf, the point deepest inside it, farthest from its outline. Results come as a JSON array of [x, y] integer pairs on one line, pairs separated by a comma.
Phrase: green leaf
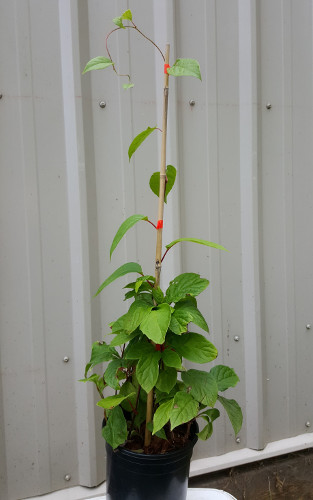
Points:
[[171, 358], [184, 314], [206, 432], [130, 267], [110, 373], [128, 85], [194, 347], [196, 240], [137, 312], [185, 67], [127, 15], [111, 401], [211, 414], [100, 353], [224, 376], [161, 433], [155, 181], [115, 430], [233, 411], [147, 370], [122, 338], [139, 140], [138, 349], [183, 285], [143, 281], [128, 389], [185, 408], [158, 295], [124, 227], [96, 379], [97, 63], [201, 385], [162, 415], [167, 379], [118, 22], [156, 323]]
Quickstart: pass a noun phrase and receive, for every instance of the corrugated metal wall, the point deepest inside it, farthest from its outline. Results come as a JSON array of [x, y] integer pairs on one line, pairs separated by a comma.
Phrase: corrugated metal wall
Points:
[[245, 177]]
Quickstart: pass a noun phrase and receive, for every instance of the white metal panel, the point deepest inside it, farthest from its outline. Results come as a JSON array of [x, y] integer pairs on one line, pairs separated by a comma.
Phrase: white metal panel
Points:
[[244, 180]]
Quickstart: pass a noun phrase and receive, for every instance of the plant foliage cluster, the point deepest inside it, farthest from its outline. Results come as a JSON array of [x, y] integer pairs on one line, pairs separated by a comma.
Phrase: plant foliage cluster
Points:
[[151, 341]]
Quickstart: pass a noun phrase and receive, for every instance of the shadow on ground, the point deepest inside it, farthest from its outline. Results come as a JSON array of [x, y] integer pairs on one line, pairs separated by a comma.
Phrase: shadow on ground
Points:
[[288, 477]]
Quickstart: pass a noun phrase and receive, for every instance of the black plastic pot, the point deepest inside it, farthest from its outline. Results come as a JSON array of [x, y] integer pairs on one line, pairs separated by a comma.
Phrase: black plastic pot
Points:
[[135, 476]]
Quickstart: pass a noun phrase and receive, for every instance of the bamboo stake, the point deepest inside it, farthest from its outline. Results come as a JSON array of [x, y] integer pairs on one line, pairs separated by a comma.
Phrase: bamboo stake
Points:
[[158, 255]]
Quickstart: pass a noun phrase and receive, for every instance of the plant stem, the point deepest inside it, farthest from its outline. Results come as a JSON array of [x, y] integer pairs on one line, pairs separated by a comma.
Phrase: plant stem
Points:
[[141, 33], [158, 254], [149, 39]]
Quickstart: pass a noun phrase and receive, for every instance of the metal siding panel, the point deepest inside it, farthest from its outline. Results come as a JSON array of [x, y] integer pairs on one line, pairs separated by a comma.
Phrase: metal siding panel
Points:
[[66, 186]]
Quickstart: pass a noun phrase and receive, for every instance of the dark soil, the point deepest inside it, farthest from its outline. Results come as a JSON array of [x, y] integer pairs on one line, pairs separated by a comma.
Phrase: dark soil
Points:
[[288, 477], [175, 439]]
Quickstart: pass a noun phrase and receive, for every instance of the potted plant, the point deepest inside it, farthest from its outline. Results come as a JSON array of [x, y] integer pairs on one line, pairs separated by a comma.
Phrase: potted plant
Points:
[[150, 423]]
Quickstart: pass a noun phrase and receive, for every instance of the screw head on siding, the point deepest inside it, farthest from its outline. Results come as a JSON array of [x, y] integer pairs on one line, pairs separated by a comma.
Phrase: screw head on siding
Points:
[[307, 424], [67, 477], [238, 440], [236, 338], [66, 359], [192, 102], [268, 105], [308, 326], [102, 104]]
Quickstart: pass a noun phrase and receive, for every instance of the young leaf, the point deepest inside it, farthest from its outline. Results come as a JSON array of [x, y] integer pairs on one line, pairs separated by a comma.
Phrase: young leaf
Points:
[[128, 85], [196, 240], [185, 67], [162, 415], [155, 181], [147, 370], [111, 401], [139, 140], [193, 347], [224, 376], [130, 267], [166, 380], [183, 285], [124, 227], [185, 408], [155, 325], [233, 411], [127, 15], [118, 22], [201, 385], [97, 63], [115, 430]]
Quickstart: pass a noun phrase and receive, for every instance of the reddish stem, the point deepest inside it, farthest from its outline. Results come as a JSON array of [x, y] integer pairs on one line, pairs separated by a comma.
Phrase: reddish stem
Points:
[[135, 28], [151, 223], [165, 254]]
